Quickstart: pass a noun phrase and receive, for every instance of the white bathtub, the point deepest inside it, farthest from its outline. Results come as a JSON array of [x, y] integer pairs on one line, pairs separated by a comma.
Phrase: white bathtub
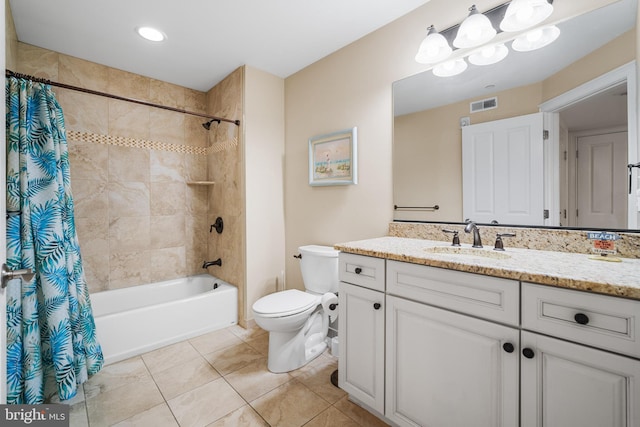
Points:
[[134, 320]]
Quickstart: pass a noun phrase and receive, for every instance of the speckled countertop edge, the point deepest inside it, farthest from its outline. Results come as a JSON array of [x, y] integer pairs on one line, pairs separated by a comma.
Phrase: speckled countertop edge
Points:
[[566, 270]]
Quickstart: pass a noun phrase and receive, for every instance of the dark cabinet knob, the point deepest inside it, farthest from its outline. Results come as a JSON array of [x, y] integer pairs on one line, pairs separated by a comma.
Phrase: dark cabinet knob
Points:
[[528, 353], [377, 306], [358, 270], [508, 347], [581, 318]]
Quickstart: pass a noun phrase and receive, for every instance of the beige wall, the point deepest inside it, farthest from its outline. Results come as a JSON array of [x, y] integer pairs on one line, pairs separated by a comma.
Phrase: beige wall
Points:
[[10, 39], [264, 169], [352, 87], [610, 56]]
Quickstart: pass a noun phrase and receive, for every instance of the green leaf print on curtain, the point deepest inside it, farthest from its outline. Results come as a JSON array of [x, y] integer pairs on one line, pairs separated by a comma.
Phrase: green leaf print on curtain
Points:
[[51, 337]]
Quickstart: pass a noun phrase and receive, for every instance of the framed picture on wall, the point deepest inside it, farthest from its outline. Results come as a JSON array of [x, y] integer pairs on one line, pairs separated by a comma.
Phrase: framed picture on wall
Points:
[[333, 158]]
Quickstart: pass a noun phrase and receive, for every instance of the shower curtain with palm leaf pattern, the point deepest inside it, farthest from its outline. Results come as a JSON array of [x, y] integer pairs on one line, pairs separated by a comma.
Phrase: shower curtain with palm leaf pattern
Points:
[[51, 338]]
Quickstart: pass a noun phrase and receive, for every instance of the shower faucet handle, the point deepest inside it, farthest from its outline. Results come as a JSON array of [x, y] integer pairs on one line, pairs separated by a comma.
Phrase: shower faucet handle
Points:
[[218, 226]]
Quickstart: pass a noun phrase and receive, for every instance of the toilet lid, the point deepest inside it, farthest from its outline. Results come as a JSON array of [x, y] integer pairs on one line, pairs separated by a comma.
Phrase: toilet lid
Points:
[[285, 303]]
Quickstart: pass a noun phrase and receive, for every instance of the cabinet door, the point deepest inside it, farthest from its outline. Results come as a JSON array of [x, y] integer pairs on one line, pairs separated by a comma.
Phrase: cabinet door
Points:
[[361, 332], [445, 369], [566, 384]]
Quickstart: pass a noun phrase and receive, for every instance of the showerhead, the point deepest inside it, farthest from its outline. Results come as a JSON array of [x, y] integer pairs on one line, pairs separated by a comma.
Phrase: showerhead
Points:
[[207, 125]]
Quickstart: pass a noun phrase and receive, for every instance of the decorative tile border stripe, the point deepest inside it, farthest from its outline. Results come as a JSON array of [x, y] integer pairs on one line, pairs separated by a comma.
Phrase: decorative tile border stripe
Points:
[[122, 141]]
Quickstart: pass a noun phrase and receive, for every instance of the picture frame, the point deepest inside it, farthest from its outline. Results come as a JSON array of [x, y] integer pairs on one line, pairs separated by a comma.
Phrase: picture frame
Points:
[[333, 158]]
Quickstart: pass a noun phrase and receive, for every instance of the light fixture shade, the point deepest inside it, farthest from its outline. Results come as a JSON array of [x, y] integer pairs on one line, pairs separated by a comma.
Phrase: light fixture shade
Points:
[[536, 39], [488, 55], [523, 14], [450, 68], [434, 48], [475, 30]]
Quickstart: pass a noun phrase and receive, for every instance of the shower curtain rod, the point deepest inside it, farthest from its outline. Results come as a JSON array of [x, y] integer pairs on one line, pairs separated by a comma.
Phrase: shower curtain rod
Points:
[[9, 73]]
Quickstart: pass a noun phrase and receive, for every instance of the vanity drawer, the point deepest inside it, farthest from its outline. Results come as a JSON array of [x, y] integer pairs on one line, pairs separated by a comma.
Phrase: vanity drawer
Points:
[[487, 297], [362, 270], [602, 321]]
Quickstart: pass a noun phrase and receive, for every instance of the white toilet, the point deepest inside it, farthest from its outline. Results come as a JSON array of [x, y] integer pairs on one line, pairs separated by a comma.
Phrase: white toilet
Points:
[[298, 321]]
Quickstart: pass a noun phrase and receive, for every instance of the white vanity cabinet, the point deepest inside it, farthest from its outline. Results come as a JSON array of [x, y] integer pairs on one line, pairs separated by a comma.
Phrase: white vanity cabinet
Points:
[[569, 383], [444, 368], [361, 329], [432, 347]]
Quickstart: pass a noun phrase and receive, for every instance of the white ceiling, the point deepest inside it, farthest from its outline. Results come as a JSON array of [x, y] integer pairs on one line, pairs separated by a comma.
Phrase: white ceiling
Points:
[[207, 39]]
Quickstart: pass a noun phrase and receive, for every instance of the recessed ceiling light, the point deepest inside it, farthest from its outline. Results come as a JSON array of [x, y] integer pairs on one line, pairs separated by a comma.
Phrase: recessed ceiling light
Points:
[[151, 34]]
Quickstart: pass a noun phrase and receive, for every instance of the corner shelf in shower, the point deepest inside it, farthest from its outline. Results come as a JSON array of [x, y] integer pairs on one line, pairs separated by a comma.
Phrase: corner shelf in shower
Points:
[[200, 182]]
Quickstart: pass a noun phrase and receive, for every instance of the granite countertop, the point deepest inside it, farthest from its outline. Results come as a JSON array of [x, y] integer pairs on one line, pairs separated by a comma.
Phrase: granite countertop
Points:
[[566, 270]]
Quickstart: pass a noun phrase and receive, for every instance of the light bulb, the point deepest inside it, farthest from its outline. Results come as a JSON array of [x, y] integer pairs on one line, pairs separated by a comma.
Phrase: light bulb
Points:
[[434, 48], [534, 35], [488, 51], [474, 31], [525, 13], [488, 55], [151, 34], [536, 39], [450, 68]]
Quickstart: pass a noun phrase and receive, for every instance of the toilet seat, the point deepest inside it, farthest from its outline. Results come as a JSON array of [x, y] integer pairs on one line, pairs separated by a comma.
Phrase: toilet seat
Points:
[[285, 303]]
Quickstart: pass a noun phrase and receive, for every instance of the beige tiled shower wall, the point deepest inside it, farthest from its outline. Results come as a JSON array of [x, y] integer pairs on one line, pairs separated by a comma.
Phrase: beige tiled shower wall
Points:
[[138, 220], [226, 198]]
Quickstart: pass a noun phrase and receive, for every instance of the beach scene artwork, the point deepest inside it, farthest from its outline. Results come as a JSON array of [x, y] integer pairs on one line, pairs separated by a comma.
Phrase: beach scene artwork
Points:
[[332, 159]]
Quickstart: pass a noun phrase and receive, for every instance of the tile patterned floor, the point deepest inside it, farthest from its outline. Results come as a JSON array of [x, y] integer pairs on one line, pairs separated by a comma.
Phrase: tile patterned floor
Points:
[[215, 380]]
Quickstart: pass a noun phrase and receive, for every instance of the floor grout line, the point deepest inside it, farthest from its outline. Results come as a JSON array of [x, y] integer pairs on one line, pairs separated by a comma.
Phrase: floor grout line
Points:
[[257, 345]]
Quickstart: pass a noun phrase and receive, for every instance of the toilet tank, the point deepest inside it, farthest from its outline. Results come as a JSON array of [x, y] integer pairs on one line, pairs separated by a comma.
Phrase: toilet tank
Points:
[[319, 266]]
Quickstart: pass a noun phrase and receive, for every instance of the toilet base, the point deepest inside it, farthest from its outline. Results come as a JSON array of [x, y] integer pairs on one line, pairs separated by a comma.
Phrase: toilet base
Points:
[[292, 350]]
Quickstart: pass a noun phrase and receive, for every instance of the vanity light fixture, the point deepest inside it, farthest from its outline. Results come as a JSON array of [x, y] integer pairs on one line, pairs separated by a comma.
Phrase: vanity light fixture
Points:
[[475, 30], [536, 39], [450, 68], [434, 48], [488, 55], [523, 14], [151, 34]]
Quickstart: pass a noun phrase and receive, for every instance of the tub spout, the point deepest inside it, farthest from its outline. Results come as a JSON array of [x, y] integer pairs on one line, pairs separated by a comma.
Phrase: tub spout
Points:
[[208, 264]]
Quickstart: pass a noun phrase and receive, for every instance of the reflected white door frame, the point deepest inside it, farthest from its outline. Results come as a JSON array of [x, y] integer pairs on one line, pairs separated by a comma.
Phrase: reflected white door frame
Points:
[[625, 73]]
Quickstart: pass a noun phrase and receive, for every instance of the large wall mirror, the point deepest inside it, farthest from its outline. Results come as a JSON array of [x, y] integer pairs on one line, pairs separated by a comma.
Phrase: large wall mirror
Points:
[[585, 83]]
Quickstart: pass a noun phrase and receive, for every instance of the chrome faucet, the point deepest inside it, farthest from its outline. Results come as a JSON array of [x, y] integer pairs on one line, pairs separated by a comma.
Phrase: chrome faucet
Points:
[[208, 264], [471, 226]]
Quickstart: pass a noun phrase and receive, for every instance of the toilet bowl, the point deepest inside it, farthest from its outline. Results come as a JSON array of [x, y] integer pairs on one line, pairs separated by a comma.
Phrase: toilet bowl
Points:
[[298, 321]]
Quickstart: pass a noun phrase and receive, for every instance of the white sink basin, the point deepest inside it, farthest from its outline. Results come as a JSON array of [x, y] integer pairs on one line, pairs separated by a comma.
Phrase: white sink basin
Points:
[[467, 251]]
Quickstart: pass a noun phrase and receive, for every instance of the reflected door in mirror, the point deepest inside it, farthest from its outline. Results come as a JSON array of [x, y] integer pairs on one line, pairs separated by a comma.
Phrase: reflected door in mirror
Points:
[[601, 180], [502, 171]]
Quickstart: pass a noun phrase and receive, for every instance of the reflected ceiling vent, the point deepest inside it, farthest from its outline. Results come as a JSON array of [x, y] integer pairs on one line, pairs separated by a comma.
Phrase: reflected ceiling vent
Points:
[[485, 104]]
